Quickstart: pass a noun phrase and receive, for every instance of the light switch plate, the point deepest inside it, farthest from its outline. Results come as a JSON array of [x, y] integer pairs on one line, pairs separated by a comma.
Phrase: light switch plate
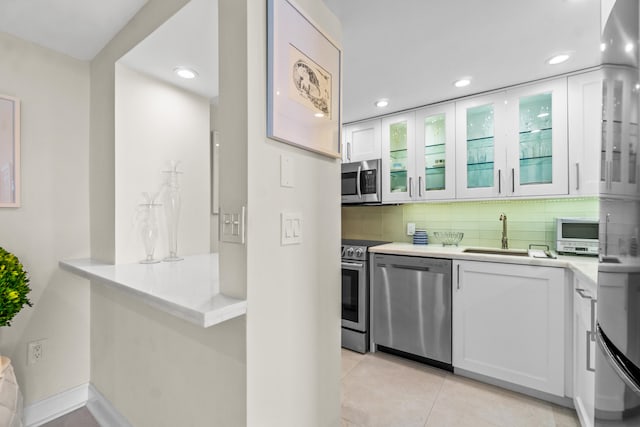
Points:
[[290, 228], [232, 225]]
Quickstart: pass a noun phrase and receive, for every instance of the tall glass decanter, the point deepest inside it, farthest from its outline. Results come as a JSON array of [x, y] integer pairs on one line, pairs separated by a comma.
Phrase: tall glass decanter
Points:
[[148, 225], [171, 199]]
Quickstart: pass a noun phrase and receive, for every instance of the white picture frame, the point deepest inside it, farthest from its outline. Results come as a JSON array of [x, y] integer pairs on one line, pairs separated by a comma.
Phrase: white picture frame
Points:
[[9, 152], [304, 82]]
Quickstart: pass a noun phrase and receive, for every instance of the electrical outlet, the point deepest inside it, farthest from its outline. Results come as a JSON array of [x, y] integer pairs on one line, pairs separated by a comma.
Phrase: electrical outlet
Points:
[[35, 352]]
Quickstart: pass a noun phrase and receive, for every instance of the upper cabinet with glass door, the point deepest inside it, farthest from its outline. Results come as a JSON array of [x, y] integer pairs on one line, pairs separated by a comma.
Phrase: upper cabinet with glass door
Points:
[[435, 152], [418, 155], [480, 154], [513, 143], [619, 149], [398, 158], [361, 141]]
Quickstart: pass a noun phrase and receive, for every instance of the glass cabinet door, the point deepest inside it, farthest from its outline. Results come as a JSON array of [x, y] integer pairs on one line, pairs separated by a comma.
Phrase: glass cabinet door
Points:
[[481, 156], [538, 155], [536, 139], [619, 152], [398, 157], [435, 148]]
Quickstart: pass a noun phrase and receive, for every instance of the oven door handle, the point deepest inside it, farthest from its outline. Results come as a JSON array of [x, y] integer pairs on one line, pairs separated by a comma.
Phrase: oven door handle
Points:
[[358, 190], [352, 264]]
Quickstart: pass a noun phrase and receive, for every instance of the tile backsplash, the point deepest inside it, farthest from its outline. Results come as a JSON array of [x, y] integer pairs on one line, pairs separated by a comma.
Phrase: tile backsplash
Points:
[[529, 221]]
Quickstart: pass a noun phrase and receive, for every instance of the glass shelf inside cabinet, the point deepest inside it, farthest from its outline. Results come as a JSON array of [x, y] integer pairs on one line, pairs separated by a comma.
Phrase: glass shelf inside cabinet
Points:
[[536, 141], [434, 152], [480, 145], [398, 157]]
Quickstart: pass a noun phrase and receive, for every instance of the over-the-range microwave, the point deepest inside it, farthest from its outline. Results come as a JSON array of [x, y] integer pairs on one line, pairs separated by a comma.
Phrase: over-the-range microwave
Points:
[[361, 182], [577, 236]]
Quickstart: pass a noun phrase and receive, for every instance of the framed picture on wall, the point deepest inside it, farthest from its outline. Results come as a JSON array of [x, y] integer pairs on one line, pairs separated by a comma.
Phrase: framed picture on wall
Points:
[[303, 89], [9, 152]]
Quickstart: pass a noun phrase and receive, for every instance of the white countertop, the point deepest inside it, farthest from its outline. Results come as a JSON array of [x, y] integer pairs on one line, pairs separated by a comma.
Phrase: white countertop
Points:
[[585, 266], [188, 289]]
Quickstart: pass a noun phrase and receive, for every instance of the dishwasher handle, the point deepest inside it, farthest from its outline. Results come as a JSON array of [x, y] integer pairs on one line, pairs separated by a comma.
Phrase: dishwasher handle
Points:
[[405, 267]]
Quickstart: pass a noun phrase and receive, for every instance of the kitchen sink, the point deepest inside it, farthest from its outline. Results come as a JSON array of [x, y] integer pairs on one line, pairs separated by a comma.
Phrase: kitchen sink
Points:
[[509, 252]]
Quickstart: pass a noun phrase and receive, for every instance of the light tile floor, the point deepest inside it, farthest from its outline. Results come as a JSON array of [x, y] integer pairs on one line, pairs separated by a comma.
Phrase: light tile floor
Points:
[[78, 418], [381, 390]]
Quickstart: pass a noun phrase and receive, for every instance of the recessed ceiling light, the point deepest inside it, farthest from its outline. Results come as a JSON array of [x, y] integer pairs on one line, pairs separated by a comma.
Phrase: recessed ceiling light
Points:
[[185, 73], [319, 115], [628, 47], [603, 47], [462, 82], [382, 103], [558, 59]]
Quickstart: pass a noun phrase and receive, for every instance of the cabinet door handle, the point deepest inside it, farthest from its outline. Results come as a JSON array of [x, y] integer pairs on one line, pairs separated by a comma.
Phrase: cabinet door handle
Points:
[[593, 318], [458, 276], [590, 338], [499, 181], [583, 293], [513, 180], [577, 175], [410, 187], [420, 186]]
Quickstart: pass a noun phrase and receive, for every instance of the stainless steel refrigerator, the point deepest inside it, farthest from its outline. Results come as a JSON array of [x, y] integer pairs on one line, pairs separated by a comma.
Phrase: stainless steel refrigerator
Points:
[[617, 334]]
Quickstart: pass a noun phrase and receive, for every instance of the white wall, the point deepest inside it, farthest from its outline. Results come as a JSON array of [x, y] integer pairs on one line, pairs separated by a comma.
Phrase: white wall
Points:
[[293, 292], [155, 369], [53, 221], [155, 123]]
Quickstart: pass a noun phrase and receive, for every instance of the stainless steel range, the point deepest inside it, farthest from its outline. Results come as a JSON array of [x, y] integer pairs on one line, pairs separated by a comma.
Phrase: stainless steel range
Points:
[[355, 294]]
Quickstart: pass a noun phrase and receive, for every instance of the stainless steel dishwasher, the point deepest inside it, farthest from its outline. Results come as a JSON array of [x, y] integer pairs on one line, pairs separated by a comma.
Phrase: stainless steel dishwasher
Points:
[[411, 306]]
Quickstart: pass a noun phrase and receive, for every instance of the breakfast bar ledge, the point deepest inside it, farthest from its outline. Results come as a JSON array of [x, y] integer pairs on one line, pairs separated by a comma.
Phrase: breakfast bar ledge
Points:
[[188, 289]]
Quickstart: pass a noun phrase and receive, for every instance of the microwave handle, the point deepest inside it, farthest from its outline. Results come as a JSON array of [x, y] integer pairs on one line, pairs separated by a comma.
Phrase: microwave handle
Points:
[[358, 190]]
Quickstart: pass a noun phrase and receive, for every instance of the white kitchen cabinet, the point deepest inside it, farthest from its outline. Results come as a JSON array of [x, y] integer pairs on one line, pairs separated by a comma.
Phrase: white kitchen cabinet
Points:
[[509, 323], [398, 158], [435, 152], [418, 161], [584, 320], [361, 141], [619, 149], [513, 143], [585, 132]]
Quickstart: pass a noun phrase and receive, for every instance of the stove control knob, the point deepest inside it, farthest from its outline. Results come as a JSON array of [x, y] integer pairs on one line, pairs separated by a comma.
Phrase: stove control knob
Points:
[[350, 252], [359, 253]]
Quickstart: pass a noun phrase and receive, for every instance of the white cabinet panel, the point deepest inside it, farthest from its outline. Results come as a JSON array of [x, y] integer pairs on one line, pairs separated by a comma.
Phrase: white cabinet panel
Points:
[[585, 132], [509, 324], [584, 310], [361, 141]]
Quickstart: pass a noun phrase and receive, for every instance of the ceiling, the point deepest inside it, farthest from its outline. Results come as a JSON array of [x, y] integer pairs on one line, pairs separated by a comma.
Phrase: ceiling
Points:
[[187, 39], [411, 51], [77, 28]]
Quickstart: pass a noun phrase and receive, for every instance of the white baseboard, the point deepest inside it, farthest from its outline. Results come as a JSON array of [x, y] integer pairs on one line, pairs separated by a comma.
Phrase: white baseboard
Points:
[[103, 411], [48, 409], [56, 406]]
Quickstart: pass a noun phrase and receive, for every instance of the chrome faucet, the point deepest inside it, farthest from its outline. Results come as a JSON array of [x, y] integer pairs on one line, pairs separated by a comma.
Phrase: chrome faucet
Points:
[[505, 242]]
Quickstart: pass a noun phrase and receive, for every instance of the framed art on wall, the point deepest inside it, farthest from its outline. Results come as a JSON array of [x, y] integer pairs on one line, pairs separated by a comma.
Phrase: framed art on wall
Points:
[[303, 92], [9, 152]]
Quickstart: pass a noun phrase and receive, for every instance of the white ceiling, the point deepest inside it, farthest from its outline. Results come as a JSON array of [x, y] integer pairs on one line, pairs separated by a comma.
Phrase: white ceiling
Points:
[[411, 51], [78, 28], [187, 39]]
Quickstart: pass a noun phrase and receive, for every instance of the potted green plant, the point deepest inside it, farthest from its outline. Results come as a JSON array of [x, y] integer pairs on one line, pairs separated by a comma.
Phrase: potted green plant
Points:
[[14, 287]]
